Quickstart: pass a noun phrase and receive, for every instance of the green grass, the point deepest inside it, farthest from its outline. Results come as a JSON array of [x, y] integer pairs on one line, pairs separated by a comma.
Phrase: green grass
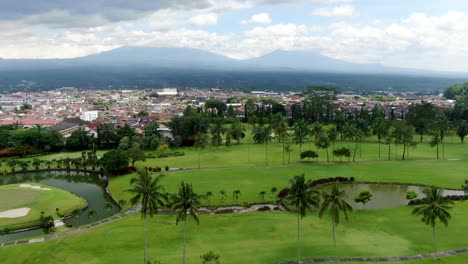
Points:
[[250, 181], [270, 237], [13, 196], [250, 238]]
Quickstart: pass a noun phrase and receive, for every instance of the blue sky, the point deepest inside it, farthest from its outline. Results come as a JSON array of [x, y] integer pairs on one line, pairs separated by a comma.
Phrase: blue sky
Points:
[[424, 34]]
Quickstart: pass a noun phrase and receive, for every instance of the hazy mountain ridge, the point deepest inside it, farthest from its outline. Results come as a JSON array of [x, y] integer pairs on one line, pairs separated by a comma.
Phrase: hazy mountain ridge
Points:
[[145, 67]]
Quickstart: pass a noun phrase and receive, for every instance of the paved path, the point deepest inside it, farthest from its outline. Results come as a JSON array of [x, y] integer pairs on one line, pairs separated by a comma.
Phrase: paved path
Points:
[[73, 231], [387, 259]]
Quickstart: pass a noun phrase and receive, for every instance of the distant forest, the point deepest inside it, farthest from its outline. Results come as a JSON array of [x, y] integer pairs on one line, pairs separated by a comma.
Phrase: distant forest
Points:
[[132, 78]]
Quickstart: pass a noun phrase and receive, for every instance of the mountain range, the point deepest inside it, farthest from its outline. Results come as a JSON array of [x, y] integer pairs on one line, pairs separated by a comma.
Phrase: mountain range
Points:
[[132, 66]]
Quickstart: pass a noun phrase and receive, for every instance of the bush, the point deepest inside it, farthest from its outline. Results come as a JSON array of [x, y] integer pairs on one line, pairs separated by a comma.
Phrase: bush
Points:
[[167, 168], [309, 154]]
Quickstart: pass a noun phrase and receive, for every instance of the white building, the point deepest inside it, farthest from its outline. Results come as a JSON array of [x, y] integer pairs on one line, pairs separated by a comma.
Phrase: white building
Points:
[[167, 91], [89, 115]]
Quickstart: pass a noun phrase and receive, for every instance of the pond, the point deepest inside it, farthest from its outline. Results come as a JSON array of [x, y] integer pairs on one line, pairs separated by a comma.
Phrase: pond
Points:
[[383, 195], [85, 184]]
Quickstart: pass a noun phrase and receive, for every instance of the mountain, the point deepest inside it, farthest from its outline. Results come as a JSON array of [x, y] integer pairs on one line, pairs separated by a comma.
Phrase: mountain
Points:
[[157, 57], [182, 67]]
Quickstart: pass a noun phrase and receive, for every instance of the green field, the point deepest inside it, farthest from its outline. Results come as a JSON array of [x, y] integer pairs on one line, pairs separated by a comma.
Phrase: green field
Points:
[[270, 237], [249, 238], [13, 196]]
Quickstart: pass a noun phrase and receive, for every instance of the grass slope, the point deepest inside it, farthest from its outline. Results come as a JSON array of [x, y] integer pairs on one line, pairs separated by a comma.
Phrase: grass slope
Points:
[[250, 238], [12, 197]]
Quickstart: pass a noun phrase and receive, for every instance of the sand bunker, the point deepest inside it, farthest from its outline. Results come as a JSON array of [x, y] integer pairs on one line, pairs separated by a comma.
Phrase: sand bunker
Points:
[[15, 213], [36, 187]]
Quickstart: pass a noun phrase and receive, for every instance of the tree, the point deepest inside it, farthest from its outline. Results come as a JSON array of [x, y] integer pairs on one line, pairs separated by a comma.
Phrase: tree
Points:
[[262, 135], [201, 141], [288, 149], [323, 142], [236, 194], [217, 131], [403, 134], [342, 152], [363, 197], [309, 154], [106, 135], [411, 195], [223, 194], [420, 116], [280, 128], [465, 187], [300, 133], [237, 131], [379, 128], [151, 129], [210, 257], [79, 140], [435, 207], [114, 160], [208, 195], [334, 203], [186, 202], [148, 192], [262, 195], [462, 130], [303, 199], [135, 153]]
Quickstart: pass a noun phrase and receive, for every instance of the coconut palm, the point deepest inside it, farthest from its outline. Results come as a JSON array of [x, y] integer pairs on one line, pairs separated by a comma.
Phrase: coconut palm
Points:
[[301, 130], [201, 141], [149, 193], [262, 195], [262, 135], [303, 199], [435, 207], [236, 194], [186, 202], [334, 203], [208, 195], [223, 194]]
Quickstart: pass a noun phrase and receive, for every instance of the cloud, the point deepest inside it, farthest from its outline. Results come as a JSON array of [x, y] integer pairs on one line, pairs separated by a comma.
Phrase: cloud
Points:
[[203, 20], [337, 11], [260, 18]]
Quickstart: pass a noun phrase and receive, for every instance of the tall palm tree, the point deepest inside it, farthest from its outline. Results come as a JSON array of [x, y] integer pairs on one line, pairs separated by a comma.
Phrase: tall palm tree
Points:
[[201, 140], [303, 199], [186, 202], [217, 131], [236, 194], [281, 133], [334, 203], [435, 207], [300, 133], [106, 134], [262, 135], [150, 194]]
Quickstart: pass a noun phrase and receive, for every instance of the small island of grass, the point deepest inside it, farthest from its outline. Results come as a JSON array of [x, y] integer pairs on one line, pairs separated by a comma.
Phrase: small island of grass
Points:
[[21, 204]]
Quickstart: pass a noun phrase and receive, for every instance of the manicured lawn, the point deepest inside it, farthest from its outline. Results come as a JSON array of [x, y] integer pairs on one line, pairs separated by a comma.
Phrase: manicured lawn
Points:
[[13, 196], [250, 238], [269, 237], [251, 181]]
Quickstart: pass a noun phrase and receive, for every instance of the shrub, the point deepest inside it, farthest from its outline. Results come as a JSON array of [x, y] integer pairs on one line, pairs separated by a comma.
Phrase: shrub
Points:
[[309, 154], [167, 168]]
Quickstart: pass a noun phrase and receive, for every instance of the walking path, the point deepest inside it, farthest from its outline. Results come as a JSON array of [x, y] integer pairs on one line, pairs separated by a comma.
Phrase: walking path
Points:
[[236, 209], [387, 259]]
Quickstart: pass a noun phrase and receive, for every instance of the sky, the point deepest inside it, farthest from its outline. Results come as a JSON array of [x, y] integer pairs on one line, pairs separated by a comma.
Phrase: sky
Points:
[[422, 34]]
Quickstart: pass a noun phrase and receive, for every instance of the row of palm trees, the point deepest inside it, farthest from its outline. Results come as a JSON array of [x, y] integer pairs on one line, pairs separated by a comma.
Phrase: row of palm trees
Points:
[[88, 160], [149, 193]]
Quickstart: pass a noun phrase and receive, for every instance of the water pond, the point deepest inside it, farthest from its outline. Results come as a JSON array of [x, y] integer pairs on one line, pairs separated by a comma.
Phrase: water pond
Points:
[[383, 195], [85, 184]]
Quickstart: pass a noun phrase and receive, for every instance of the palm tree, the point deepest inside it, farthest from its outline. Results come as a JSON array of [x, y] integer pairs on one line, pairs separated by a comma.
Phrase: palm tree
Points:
[[208, 195], [217, 131], [281, 132], [76, 215], [201, 140], [300, 133], [262, 195], [262, 135], [302, 198], [149, 193], [106, 134], [236, 194], [122, 203], [223, 194], [435, 207], [335, 204], [186, 202]]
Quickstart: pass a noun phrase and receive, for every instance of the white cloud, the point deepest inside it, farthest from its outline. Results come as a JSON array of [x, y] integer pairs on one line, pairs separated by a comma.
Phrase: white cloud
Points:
[[337, 11], [260, 18], [203, 20]]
